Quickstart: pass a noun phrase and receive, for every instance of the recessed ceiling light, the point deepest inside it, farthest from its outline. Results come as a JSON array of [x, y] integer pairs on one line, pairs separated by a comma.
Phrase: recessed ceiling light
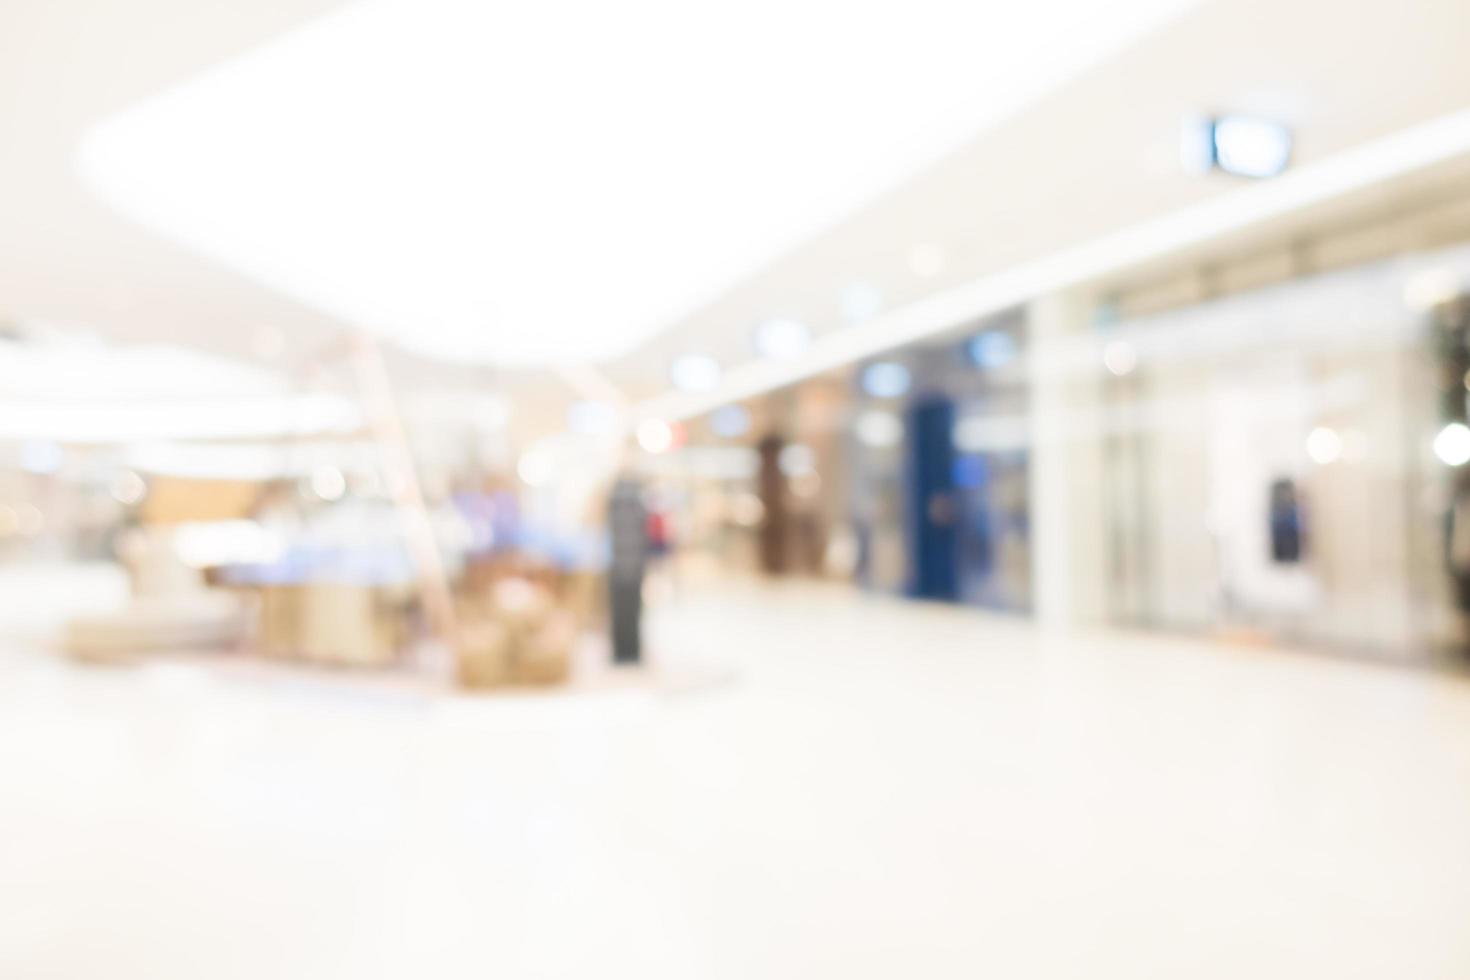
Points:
[[592, 418], [730, 421], [1119, 357], [40, 456], [328, 483], [782, 339], [1250, 147], [694, 372], [128, 488], [537, 465], [655, 436], [860, 301], [886, 379], [992, 349], [1452, 444], [1324, 445]]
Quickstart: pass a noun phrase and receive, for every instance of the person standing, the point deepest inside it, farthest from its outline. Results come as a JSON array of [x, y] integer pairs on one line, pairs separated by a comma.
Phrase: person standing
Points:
[[627, 520]]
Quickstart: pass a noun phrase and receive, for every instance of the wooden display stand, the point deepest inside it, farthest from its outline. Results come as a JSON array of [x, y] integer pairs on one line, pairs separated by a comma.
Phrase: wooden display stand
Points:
[[514, 633], [333, 623]]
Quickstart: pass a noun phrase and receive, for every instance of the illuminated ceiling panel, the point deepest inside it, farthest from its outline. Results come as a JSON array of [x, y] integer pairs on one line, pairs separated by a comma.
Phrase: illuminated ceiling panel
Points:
[[526, 183]]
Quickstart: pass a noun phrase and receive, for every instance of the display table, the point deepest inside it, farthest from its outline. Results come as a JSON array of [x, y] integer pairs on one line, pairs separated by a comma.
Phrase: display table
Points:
[[356, 613]]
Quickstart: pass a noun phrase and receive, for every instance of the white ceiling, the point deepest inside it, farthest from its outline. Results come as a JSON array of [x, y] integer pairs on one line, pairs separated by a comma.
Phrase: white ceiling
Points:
[[1101, 155], [1087, 158], [526, 185]]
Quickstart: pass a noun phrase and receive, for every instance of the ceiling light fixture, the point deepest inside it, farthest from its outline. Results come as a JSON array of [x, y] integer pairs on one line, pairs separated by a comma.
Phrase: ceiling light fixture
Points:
[[1324, 445], [1250, 147], [1120, 358], [1452, 444], [992, 349], [886, 379], [695, 372], [592, 418], [1246, 146], [655, 436], [730, 421], [860, 301], [782, 338], [328, 483]]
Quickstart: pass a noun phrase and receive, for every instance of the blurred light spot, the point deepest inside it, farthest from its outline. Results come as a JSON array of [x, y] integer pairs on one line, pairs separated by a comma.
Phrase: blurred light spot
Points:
[[796, 459], [1452, 445], [730, 422], [782, 339], [203, 544], [694, 372], [1324, 445], [592, 418], [9, 521], [992, 349], [886, 379], [1119, 357], [878, 429], [655, 436], [328, 483], [537, 466], [40, 456], [928, 260], [859, 302], [1251, 147], [128, 488]]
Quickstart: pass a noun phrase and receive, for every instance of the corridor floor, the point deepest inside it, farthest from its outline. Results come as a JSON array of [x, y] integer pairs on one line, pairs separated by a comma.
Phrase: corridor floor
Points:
[[872, 789]]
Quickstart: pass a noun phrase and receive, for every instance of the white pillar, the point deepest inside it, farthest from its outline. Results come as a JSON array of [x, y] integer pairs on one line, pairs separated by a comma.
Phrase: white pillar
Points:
[[1068, 564]]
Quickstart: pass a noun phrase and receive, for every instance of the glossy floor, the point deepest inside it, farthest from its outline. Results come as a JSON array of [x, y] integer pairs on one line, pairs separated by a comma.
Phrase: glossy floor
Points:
[[876, 789]]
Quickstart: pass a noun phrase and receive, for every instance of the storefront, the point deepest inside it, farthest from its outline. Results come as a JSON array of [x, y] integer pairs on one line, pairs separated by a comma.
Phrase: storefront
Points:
[[1269, 465]]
